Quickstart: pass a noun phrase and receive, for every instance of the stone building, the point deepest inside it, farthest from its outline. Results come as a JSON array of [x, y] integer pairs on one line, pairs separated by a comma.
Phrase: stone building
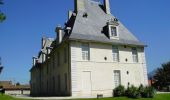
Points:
[[91, 55]]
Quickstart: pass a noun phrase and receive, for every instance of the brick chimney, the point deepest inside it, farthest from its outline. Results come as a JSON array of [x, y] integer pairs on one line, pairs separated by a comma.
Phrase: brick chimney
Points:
[[79, 5], [107, 6]]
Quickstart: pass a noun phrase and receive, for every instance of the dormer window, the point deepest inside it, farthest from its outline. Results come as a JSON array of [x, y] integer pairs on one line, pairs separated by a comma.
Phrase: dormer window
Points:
[[113, 31], [112, 25]]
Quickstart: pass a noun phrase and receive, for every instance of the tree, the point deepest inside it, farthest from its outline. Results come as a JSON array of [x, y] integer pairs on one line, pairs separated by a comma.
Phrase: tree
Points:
[[2, 15], [162, 76], [1, 69], [17, 84]]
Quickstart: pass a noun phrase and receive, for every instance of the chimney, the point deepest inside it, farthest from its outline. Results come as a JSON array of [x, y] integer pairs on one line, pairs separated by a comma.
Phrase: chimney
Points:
[[69, 14], [34, 60], [43, 41], [59, 34], [79, 5], [107, 6]]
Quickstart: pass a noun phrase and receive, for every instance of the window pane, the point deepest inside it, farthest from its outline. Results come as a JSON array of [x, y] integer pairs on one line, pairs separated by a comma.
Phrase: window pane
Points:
[[113, 31], [85, 51], [134, 55], [117, 78], [65, 55], [115, 53]]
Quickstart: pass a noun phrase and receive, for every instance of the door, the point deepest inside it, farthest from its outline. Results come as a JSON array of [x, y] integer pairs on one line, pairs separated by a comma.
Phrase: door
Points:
[[86, 83], [117, 78]]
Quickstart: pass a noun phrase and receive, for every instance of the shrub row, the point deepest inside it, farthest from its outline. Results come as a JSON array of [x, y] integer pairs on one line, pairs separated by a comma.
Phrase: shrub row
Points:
[[135, 92]]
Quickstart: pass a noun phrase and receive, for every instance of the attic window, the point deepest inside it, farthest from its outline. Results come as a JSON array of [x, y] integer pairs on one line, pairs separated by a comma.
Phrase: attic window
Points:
[[113, 32]]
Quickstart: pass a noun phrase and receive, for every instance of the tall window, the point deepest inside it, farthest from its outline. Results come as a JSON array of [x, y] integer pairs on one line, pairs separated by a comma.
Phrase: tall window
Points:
[[65, 75], [134, 55], [59, 84], [117, 78], [65, 55], [85, 51], [53, 84], [53, 61], [115, 53], [58, 59]]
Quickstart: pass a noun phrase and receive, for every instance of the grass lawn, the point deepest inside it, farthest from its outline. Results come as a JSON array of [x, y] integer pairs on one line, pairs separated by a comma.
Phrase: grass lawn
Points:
[[6, 97], [157, 97]]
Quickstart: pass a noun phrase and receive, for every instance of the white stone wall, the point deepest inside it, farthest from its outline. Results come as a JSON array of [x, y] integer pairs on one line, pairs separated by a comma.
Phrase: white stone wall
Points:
[[102, 77], [17, 92], [44, 81]]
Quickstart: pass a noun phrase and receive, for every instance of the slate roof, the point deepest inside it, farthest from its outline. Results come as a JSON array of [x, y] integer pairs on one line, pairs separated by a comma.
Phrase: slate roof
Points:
[[91, 28]]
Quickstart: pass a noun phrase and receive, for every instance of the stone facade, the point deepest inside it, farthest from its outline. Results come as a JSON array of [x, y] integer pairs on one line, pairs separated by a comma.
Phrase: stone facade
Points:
[[80, 63]]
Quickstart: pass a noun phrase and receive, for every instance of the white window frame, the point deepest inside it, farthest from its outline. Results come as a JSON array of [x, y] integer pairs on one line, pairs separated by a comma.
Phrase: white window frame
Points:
[[110, 32], [115, 55], [117, 82], [85, 51], [135, 55]]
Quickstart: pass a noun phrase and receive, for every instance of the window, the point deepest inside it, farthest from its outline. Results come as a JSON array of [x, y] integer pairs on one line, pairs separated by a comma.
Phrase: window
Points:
[[53, 84], [117, 78], [65, 55], [47, 68], [65, 75], [115, 53], [134, 55], [113, 31], [53, 61], [59, 87], [58, 59], [85, 51]]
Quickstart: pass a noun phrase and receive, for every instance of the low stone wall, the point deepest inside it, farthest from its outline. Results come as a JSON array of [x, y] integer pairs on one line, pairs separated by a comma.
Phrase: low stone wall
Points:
[[17, 92]]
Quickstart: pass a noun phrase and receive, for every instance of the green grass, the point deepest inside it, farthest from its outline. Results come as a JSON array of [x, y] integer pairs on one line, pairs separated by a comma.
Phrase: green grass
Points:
[[157, 97], [6, 97]]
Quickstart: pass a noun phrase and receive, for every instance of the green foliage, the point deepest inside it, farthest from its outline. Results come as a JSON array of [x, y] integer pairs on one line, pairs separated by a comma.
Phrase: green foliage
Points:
[[149, 92], [1, 87], [1, 2], [2, 15], [141, 89], [162, 77], [133, 92], [18, 84], [119, 91]]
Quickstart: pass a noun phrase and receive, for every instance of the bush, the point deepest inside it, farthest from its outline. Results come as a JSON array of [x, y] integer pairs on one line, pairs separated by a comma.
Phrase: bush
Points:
[[119, 91], [133, 92], [149, 92]]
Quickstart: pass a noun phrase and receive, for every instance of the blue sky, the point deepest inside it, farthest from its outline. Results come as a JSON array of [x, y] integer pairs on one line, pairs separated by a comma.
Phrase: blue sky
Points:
[[29, 20]]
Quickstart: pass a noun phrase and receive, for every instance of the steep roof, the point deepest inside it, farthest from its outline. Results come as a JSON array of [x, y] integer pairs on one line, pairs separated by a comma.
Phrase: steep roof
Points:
[[91, 27]]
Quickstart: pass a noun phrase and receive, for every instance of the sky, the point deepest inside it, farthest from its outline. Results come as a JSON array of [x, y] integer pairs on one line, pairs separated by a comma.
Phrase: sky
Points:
[[29, 20]]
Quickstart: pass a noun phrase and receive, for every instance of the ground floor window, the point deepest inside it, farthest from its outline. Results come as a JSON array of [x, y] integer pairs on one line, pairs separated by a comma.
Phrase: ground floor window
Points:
[[59, 86], [117, 78], [65, 75]]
